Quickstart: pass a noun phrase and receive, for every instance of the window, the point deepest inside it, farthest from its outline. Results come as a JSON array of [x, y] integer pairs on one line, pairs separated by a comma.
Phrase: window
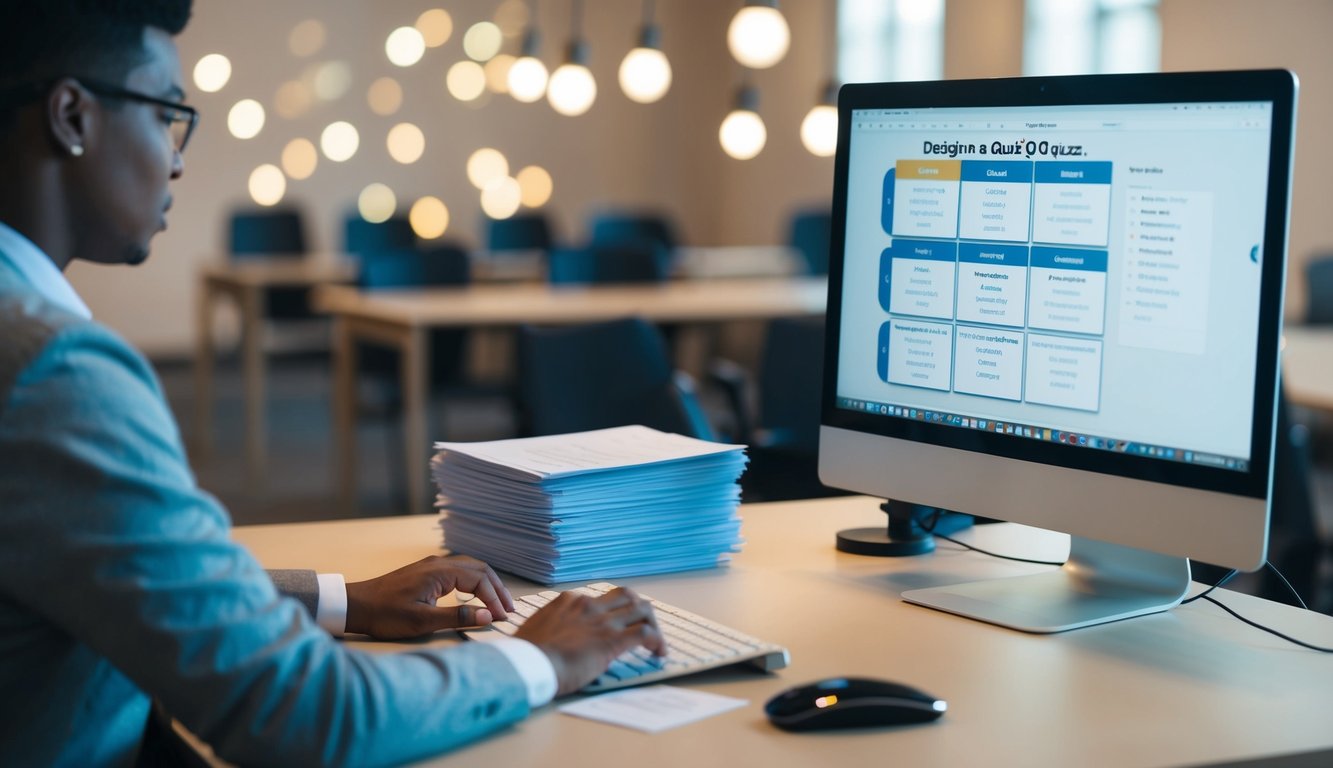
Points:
[[880, 40], [1067, 37]]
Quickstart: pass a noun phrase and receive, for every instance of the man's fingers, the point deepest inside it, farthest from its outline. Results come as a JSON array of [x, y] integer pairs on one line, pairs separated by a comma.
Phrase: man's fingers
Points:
[[616, 598], [476, 583], [457, 616], [631, 614], [644, 634], [506, 599]]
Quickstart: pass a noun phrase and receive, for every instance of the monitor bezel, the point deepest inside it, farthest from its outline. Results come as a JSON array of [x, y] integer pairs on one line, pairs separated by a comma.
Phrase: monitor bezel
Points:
[[1275, 86]]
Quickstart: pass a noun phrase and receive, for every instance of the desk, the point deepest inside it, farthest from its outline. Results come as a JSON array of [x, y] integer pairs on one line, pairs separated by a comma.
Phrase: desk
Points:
[[246, 283], [403, 319], [1187, 687], [1307, 366], [688, 262]]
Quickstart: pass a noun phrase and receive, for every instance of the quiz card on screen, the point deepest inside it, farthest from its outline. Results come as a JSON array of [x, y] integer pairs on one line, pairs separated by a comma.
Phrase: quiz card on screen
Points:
[[916, 353]]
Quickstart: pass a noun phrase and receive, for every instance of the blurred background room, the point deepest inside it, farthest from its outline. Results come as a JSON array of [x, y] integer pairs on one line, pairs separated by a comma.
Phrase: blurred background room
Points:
[[405, 144]]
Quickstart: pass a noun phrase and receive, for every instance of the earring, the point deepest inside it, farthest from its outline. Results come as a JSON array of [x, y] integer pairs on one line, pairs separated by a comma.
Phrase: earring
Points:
[[76, 150]]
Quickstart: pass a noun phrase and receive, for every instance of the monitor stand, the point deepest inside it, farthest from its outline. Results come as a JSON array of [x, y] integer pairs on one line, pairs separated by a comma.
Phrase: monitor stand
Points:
[[1099, 583], [904, 536]]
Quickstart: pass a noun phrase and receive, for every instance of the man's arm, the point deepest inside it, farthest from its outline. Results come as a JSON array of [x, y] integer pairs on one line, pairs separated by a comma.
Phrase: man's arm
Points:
[[124, 553], [299, 584]]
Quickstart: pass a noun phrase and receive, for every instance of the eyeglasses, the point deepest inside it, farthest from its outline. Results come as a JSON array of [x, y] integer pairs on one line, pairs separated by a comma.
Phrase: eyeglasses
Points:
[[179, 118]]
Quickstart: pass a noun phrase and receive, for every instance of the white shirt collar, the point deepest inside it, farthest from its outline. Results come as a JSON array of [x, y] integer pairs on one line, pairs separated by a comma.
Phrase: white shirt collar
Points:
[[40, 272]]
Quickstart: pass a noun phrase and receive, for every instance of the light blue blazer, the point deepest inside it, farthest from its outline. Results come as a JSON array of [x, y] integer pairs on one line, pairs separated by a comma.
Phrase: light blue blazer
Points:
[[119, 581]]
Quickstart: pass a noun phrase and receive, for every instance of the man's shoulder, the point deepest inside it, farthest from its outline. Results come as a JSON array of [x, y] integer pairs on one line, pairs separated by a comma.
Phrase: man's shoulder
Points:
[[36, 331]]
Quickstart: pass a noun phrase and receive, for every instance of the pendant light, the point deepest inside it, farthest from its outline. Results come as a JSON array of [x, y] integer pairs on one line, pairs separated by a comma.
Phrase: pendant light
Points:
[[742, 133], [527, 78], [645, 73], [573, 89], [758, 35], [819, 129]]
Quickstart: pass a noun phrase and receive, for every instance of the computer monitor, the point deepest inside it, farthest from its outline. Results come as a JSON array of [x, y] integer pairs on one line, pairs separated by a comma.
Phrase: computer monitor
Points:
[[1058, 301]]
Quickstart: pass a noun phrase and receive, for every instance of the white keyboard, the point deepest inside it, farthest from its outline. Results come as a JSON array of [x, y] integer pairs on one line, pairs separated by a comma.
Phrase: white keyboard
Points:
[[694, 643]]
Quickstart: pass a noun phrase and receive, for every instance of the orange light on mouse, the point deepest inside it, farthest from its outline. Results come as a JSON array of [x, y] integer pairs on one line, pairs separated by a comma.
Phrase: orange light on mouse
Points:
[[826, 701]]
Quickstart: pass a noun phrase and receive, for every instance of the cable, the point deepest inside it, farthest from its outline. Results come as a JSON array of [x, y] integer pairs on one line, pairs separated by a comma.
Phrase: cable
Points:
[[930, 528], [1204, 595], [1229, 575], [1269, 630], [1269, 565]]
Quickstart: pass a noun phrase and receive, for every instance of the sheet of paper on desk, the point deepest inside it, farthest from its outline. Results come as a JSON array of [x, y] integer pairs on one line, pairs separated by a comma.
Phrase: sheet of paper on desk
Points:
[[653, 708], [601, 449]]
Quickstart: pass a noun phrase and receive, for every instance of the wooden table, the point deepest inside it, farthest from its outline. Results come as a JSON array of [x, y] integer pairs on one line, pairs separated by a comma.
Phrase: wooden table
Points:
[[246, 283], [1307, 366], [687, 262], [1191, 686], [403, 319]]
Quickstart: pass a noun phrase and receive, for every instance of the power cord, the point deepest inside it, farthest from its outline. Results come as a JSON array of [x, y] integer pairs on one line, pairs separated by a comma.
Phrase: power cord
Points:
[[1228, 576], [929, 527], [1205, 595], [1290, 588], [1269, 630]]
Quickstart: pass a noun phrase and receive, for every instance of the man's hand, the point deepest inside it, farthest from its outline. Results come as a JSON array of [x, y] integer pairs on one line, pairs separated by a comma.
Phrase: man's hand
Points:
[[402, 603], [582, 635]]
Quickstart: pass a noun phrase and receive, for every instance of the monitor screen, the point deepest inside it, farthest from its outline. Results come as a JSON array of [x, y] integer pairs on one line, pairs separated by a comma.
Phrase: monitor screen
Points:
[[1047, 283]]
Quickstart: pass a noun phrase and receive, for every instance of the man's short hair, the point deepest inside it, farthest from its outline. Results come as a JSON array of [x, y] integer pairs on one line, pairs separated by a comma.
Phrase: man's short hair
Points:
[[45, 39]]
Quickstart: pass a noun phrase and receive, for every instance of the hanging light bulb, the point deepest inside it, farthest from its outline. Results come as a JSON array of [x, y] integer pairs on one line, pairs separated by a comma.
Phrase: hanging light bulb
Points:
[[819, 129], [572, 88], [743, 134], [645, 73], [759, 36], [527, 78]]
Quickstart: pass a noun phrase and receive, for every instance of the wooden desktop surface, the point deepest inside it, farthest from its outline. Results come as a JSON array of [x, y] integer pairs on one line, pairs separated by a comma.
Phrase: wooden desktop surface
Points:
[[516, 304], [1187, 687]]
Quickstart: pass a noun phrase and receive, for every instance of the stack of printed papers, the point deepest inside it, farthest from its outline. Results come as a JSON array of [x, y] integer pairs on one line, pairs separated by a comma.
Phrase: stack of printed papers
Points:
[[606, 504]]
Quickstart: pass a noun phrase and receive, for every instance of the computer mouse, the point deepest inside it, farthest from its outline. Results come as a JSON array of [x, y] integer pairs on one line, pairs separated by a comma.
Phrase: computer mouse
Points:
[[851, 702]]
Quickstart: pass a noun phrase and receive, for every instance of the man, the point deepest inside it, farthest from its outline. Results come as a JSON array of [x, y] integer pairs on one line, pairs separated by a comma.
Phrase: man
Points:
[[118, 580]]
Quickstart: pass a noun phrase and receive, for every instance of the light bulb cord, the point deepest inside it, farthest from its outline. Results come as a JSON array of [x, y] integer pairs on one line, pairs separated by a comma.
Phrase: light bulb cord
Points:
[[575, 19]]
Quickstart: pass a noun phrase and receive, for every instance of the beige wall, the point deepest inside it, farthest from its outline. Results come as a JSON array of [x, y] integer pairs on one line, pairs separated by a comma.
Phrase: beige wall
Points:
[[1294, 34], [664, 155]]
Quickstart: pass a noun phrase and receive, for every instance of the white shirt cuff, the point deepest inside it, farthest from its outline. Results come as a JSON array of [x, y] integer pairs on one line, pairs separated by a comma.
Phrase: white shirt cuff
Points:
[[331, 611], [532, 665]]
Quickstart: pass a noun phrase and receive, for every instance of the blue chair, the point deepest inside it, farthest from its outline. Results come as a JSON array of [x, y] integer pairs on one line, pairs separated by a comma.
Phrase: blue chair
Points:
[[572, 379], [272, 234], [619, 228], [809, 233], [444, 265], [529, 232], [1319, 291], [610, 263], [783, 432], [361, 236]]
